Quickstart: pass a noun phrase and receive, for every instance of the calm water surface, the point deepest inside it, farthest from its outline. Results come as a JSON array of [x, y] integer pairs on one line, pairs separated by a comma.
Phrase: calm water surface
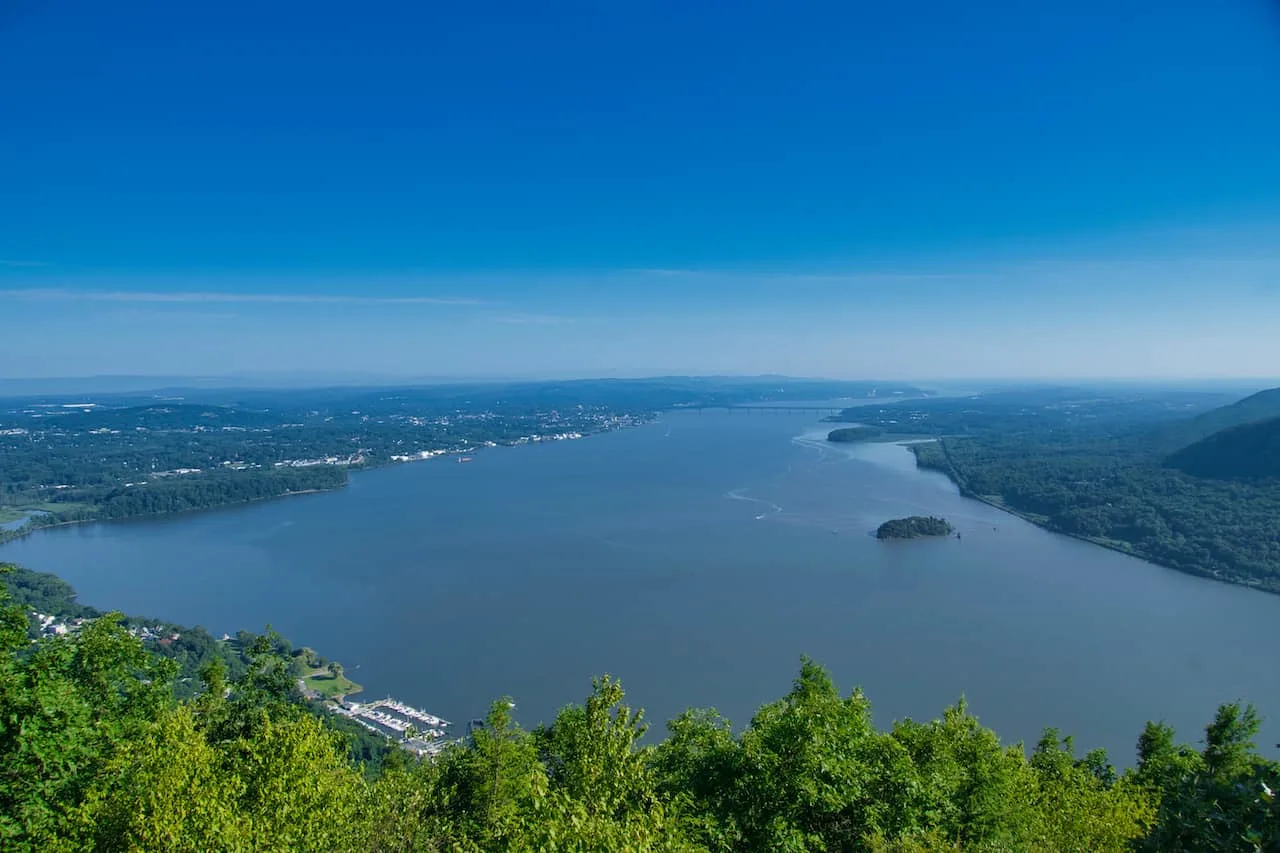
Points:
[[696, 558]]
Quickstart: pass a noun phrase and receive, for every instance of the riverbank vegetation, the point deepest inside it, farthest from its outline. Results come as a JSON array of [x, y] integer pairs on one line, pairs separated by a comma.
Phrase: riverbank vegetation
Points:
[[98, 751], [914, 527], [855, 433], [1222, 529], [64, 460], [190, 650], [1104, 467]]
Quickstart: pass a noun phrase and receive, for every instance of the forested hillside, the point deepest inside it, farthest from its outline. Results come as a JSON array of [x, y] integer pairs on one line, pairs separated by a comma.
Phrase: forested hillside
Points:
[[1092, 464], [1229, 530], [1246, 452], [96, 752]]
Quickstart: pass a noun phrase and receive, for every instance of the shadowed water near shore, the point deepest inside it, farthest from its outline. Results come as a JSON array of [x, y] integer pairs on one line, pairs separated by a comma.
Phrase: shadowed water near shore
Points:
[[696, 558]]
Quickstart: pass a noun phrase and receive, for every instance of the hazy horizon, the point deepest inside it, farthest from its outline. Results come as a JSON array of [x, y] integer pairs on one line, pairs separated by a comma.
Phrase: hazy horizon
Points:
[[110, 385], [1024, 191]]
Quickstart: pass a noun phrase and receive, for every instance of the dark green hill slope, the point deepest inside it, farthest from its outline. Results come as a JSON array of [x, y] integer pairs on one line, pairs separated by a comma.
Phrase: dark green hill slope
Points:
[[1248, 451], [1256, 407]]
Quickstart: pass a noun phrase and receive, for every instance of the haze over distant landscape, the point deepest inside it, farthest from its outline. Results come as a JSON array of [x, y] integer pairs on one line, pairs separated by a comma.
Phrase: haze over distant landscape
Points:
[[604, 190]]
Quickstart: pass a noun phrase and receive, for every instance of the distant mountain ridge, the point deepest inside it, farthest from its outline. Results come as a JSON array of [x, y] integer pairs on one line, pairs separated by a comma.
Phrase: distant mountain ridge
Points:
[[96, 386], [1244, 452], [1261, 406]]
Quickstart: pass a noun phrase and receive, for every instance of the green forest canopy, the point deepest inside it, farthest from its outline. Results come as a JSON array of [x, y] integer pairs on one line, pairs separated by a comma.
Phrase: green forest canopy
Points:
[[1245, 452], [914, 527], [855, 433]]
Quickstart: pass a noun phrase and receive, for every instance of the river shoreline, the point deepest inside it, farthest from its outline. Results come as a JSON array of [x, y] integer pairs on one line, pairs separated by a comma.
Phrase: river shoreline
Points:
[[23, 532], [7, 536], [966, 492], [414, 578]]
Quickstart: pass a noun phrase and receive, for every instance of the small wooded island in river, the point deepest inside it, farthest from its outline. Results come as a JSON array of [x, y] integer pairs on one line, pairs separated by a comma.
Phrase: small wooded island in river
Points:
[[914, 527]]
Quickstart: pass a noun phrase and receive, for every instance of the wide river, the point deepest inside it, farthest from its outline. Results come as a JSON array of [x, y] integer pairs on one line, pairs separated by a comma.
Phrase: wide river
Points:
[[697, 558]]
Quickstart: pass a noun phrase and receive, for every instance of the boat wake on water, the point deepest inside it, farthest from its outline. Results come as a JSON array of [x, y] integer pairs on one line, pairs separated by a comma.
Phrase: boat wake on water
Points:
[[738, 495], [817, 442], [813, 441]]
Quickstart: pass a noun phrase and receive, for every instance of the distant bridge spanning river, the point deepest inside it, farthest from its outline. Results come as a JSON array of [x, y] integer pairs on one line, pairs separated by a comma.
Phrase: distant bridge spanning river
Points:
[[780, 410]]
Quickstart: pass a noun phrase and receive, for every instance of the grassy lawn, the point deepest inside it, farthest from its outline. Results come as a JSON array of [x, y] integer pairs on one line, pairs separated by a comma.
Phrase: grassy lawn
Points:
[[16, 513], [10, 514], [323, 682]]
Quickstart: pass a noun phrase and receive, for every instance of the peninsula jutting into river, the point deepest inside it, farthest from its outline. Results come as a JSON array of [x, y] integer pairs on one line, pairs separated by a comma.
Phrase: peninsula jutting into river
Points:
[[846, 435]]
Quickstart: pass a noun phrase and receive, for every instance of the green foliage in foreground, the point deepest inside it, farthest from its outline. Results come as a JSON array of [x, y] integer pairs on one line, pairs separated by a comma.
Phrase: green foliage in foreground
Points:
[[96, 753]]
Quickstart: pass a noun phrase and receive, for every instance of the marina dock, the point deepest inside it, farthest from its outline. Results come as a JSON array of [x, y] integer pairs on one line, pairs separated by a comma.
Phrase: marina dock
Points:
[[413, 728]]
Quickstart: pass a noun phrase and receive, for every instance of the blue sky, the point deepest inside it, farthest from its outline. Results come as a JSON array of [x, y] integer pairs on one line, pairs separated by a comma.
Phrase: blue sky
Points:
[[926, 190]]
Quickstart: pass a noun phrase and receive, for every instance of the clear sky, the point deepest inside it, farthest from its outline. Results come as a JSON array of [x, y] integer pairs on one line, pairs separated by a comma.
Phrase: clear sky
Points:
[[848, 189]]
